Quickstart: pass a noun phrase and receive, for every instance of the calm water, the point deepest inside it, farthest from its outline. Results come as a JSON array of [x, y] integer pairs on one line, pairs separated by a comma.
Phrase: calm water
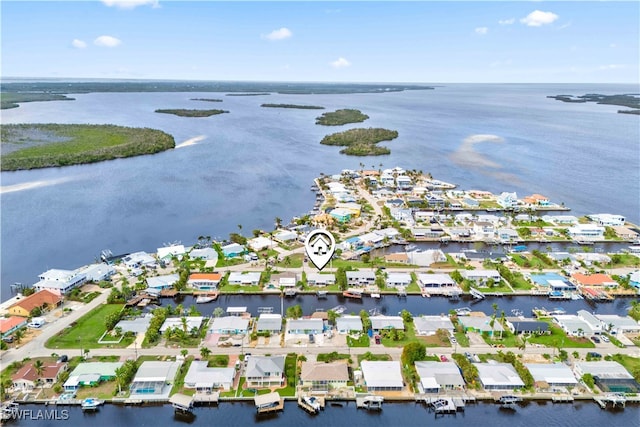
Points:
[[392, 415], [255, 164]]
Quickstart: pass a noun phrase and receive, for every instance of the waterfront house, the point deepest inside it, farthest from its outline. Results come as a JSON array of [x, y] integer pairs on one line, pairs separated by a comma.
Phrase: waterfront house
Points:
[[371, 239], [426, 258], [353, 207], [348, 324], [154, 380], [518, 325], [607, 220], [59, 281], [205, 380], [498, 376], [594, 280], [168, 252], [382, 375], [573, 325], [320, 279], [397, 258], [269, 322], [204, 281], [470, 202], [429, 325], [586, 232], [536, 200], [436, 281], [9, 325], [387, 180], [260, 243], [609, 376], [617, 325], [360, 278], [265, 371], [285, 236], [321, 376], [27, 377], [438, 376], [97, 272], [483, 230], [432, 232], [207, 254], [233, 250], [625, 232], [507, 235], [481, 277], [138, 325], [552, 374], [229, 325], [44, 300], [305, 326], [560, 219], [91, 374], [251, 278], [189, 323], [395, 280], [507, 200], [341, 215], [594, 323], [138, 260], [159, 283], [481, 324], [380, 323]]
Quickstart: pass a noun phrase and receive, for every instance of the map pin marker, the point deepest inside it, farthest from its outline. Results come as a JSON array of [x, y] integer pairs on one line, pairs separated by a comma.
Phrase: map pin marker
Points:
[[320, 246]]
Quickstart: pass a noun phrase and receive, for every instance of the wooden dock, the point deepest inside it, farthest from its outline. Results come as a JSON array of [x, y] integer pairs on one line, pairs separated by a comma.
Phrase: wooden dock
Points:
[[210, 398], [267, 403], [562, 399]]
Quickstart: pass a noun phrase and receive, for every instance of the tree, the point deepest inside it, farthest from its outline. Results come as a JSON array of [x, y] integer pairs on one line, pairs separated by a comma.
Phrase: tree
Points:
[[407, 317], [278, 222], [365, 258], [332, 316], [205, 352], [184, 352], [218, 312], [18, 335], [413, 352]]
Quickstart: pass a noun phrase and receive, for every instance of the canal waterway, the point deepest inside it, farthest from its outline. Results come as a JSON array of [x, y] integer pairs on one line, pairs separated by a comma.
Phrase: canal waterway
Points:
[[242, 414]]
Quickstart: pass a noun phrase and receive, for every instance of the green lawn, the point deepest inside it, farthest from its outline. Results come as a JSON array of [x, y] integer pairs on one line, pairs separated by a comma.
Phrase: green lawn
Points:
[[502, 288], [409, 336], [87, 330], [558, 338], [239, 288], [363, 341], [631, 364], [295, 261]]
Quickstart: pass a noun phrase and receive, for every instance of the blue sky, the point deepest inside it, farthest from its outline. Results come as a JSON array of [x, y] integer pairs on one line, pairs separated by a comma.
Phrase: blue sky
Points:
[[427, 41]]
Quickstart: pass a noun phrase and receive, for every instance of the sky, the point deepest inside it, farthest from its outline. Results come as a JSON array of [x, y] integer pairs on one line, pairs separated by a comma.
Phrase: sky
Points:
[[419, 41]]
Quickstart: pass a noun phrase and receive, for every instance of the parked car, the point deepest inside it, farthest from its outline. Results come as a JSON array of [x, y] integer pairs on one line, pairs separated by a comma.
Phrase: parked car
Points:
[[595, 339], [594, 355], [443, 358], [8, 339], [604, 338], [377, 339], [453, 340], [63, 358]]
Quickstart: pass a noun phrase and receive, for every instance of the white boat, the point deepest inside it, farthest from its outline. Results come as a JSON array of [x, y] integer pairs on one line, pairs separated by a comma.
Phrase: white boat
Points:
[[312, 402], [463, 311], [375, 295], [91, 404], [203, 299]]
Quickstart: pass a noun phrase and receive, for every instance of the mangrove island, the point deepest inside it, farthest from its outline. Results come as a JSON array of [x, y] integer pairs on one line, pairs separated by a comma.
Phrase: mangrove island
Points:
[[624, 100], [341, 117], [191, 113], [301, 107], [361, 142], [32, 146], [207, 99]]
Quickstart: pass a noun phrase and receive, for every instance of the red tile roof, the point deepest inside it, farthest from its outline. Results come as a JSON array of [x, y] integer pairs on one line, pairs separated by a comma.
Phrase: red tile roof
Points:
[[40, 298], [206, 276], [592, 279], [10, 323], [28, 372]]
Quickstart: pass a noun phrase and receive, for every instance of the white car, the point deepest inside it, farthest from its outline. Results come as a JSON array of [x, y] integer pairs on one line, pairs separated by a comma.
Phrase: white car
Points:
[[604, 338]]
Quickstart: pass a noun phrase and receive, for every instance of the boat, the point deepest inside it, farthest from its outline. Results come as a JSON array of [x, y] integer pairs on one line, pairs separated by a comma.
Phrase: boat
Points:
[[410, 247], [375, 295], [352, 293], [463, 311], [339, 309], [322, 294], [312, 402], [91, 404], [516, 312], [203, 299], [9, 411]]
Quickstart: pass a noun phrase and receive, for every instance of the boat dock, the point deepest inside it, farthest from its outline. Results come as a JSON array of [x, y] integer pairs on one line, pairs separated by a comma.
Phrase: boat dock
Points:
[[611, 400], [371, 402], [181, 402], [476, 294], [206, 398], [314, 406], [270, 402]]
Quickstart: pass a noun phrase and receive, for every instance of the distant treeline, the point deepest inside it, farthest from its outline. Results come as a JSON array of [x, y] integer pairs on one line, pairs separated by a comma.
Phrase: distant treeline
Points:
[[12, 99], [49, 145], [302, 107], [341, 117], [361, 142], [247, 94], [623, 100], [207, 99], [191, 113]]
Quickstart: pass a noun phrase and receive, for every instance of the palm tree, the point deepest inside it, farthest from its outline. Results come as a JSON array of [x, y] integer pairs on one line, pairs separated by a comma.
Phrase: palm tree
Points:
[[184, 352], [205, 352], [18, 335], [183, 320], [240, 228], [278, 222]]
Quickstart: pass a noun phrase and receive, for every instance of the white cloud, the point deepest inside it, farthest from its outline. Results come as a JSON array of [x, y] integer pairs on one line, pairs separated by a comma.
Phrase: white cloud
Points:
[[482, 30], [538, 18], [613, 45], [78, 44], [281, 34], [611, 67], [507, 21], [107, 41], [130, 4], [340, 63]]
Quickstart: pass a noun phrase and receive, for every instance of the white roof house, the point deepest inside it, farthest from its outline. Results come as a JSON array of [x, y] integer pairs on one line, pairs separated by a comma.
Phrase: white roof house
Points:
[[208, 254], [379, 323], [554, 374], [573, 325], [426, 258], [305, 326], [382, 375], [59, 281], [436, 376], [170, 251], [594, 323], [162, 282], [348, 323], [260, 243], [269, 322], [602, 369], [287, 282], [481, 277], [429, 325], [139, 259], [498, 376], [233, 249], [398, 279], [481, 324], [90, 373], [361, 277], [176, 322], [318, 279], [265, 371], [285, 235], [251, 278], [618, 324], [435, 280], [97, 272], [203, 378], [154, 379], [233, 325]]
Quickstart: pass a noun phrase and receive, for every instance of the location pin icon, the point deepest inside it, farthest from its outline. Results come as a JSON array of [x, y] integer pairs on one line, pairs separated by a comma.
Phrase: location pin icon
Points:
[[320, 246]]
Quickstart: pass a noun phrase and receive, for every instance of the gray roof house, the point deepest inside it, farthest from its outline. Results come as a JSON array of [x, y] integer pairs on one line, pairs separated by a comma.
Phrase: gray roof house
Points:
[[429, 325], [348, 323], [379, 323], [519, 325], [305, 326], [154, 379], [360, 278], [269, 322], [554, 374], [91, 373], [232, 325], [498, 376], [265, 371], [322, 376], [205, 379], [437, 376]]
